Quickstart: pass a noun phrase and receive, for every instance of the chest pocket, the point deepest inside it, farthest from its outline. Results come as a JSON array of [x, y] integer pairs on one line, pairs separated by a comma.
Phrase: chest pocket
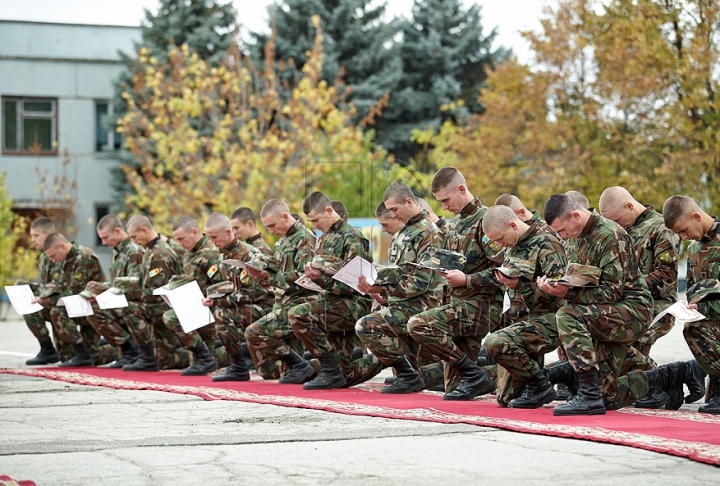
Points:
[[712, 270]]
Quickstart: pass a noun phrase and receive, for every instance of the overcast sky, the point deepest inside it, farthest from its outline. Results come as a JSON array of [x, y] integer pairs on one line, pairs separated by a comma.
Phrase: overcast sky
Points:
[[509, 16]]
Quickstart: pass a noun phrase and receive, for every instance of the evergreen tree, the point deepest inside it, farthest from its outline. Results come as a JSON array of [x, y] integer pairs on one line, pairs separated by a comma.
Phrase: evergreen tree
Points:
[[206, 26]]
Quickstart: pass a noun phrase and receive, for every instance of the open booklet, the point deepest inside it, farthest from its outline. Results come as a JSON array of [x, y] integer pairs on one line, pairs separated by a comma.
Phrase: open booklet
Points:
[[306, 282], [76, 306], [681, 312], [187, 302], [21, 297], [111, 300], [350, 274]]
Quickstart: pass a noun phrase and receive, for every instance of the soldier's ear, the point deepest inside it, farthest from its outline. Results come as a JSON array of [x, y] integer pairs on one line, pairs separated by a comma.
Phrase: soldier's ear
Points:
[[696, 216]]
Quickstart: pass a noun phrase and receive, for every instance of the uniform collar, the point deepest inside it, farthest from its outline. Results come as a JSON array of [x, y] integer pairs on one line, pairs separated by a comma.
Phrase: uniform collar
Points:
[[713, 231], [200, 244], [122, 245], [591, 223], [153, 242], [644, 215], [416, 219], [529, 233], [471, 207], [252, 239]]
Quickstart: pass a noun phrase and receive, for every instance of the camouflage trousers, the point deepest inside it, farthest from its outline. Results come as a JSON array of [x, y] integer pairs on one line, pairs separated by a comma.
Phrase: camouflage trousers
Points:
[[519, 349], [448, 332], [327, 325], [147, 327], [272, 336], [385, 334], [657, 330], [206, 334], [110, 323], [703, 339], [67, 332], [36, 322]]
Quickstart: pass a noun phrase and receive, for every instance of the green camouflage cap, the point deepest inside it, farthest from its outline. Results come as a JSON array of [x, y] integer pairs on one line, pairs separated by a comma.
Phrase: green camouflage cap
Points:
[[49, 289], [178, 281], [125, 284], [703, 289], [580, 275], [388, 275], [516, 267], [87, 294], [327, 263], [264, 262], [219, 290], [443, 260]]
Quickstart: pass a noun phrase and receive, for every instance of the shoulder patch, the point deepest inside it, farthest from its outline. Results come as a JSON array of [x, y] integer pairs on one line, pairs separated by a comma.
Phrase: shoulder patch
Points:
[[212, 271], [78, 276], [488, 242], [665, 257], [154, 272]]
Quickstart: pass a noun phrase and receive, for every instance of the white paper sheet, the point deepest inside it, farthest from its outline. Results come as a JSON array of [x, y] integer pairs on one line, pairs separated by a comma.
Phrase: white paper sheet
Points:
[[681, 312], [21, 297], [76, 306], [110, 300], [305, 282], [186, 300], [350, 273], [506, 303]]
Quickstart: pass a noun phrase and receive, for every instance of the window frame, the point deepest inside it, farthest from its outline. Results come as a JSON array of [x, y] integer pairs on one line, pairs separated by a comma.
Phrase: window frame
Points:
[[20, 116]]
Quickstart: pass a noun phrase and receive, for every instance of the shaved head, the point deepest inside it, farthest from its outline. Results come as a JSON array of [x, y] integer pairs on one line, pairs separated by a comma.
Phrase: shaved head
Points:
[[614, 198], [513, 202], [678, 208], [274, 207], [53, 240], [560, 206], [497, 218], [218, 221], [139, 221], [579, 198], [186, 223]]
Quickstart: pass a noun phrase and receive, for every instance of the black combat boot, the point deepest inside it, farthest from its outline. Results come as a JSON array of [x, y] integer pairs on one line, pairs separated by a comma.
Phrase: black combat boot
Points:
[[588, 399], [237, 371], [146, 361], [130, 353], [538, 392], [81, 356], [475, 381], [484, 358], [249, 363], [47, 354], [695, 381], [299, 370], [713, 405], [204, 362], [407, 379], [671, 377], [329, 376], [563, 393], [655, 398], [564, 373]]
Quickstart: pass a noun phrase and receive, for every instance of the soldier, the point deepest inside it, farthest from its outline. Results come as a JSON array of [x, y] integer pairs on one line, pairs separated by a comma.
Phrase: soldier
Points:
[[453, 332], [125, 262], [533, 253], [657, 249], [340, 209], [271, 336], [385, 332], [683, 216], [325, 326], [524, 214], [79, 266], [610, 316], [244, 227], [246, 301], [388, 224], [49, 273], [579, 198], [159, 263], [201, 263]]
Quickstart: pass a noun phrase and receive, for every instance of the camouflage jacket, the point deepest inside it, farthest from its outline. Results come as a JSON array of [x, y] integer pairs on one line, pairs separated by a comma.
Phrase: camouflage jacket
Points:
[[126, 261], [159, 263], [247, 290], [704, 264], [407, 245], [203, 263], [465, 235], [606, 245], [81, 265], [259, 243], [548, 255], [292, 252], [176, 247], [657, 250], [543, 226], [344, 242], [49, 272]]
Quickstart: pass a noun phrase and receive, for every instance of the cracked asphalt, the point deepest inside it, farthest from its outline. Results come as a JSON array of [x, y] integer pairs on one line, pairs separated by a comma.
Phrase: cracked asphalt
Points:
[[57, 433]]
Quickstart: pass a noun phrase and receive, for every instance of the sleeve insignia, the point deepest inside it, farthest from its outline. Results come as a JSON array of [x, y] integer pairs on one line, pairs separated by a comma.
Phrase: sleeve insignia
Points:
[[665, 257], [212, 270], [78, 276], [154, 272]]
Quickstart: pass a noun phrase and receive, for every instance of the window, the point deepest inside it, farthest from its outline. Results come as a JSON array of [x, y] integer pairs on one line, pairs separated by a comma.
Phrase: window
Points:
[[29, 125], [103, 138]]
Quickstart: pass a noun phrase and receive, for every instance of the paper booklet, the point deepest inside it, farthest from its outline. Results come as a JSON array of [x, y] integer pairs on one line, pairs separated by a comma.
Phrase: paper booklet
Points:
[[111, 300], [681, 312], [21, 297], [350, 273], [76, 306], [186, 301], [306, 282]]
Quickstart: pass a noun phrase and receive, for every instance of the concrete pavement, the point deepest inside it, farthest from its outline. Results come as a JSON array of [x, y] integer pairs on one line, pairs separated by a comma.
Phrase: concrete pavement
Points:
[[59, 433]]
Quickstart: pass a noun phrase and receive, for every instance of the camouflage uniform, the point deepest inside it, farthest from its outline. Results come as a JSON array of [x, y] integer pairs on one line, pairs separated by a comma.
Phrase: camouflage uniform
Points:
[[657, 250], [598, 325], [80, 267], [49, 272], [326, 325], [385, 332], [272, 336], [111, 323], [203, 265], [145, 310], [520, 347], [248, 303], [259, 243], [703, 337], [449, 331]]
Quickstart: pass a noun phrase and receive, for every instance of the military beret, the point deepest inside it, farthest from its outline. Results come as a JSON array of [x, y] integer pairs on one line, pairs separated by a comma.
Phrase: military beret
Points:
[[515, 267], [703, 289], [219, 290], [578, 275], [49, 289], [264, 262], [388, 275], [178, 281], [443, 260]]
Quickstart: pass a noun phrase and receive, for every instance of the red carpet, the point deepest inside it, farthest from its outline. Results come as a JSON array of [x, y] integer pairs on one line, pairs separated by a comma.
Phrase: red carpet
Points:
[[8, 481], [686, 434]]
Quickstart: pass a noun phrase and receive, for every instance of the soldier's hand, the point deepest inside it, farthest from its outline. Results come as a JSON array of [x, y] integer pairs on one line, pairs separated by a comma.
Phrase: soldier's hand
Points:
[[507, 281], [549, 287], [43, 302], [208, 302], [364, 286], [692, 306], [456, 278], [310, 272], [379, 299], [95, 287]]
